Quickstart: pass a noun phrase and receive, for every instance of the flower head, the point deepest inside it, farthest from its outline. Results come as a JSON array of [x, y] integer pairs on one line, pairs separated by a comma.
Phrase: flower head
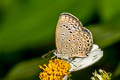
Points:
[[101, 75], [56, 69]]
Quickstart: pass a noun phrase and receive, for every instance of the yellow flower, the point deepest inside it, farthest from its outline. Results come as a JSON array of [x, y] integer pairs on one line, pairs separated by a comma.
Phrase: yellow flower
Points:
[[55, 70]]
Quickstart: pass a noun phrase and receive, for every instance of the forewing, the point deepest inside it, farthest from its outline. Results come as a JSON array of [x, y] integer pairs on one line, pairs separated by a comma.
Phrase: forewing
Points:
[[67, 24]]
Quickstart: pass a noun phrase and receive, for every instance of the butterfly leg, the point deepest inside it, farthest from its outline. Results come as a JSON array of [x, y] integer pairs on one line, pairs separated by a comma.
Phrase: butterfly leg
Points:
[[53, 57], [71, 60], [48, 54]]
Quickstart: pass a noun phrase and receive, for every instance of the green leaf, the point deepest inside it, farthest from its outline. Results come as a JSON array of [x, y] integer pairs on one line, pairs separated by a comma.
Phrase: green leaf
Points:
[[105, 35], [27, 70]]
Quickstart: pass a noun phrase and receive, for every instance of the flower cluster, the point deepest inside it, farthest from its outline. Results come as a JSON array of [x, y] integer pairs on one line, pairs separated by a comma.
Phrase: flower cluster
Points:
[[101, 75], [56, 69]]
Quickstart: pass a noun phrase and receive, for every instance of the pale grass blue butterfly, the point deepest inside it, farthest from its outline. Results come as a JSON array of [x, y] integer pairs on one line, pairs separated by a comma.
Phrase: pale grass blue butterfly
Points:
[[72, 39], [75, 41]]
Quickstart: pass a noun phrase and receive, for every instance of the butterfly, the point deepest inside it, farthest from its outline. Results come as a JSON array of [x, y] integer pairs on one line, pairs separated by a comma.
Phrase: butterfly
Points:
[[75, 41], [72, 39]]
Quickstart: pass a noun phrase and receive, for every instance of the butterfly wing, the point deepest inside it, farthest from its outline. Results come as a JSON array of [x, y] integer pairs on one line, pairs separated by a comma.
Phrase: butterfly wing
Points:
[[67, 24], [76, 45], [87, 39], [94, 56]]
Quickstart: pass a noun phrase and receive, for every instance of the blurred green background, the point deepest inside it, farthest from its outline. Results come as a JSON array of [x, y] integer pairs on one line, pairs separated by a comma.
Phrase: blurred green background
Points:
[[27, 31]]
